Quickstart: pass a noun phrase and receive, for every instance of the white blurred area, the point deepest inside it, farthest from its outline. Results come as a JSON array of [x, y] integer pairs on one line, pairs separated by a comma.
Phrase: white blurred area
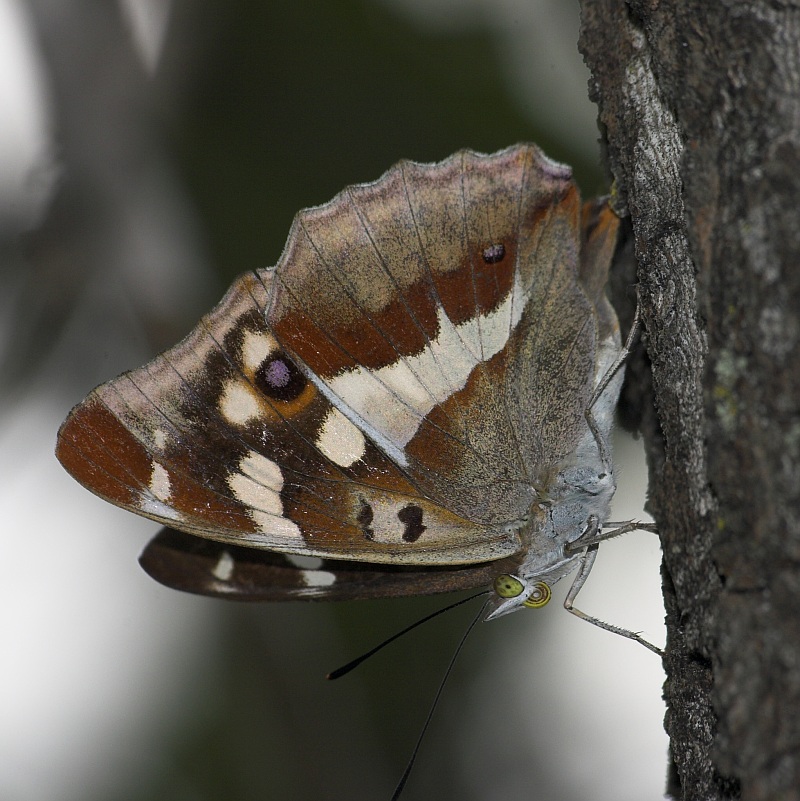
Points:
[[93, 651], [575, 695], [26, 175], [90, 647]]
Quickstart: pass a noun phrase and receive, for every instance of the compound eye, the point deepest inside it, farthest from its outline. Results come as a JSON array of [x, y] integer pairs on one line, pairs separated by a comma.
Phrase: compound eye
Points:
[[508, 586], [539, 597]]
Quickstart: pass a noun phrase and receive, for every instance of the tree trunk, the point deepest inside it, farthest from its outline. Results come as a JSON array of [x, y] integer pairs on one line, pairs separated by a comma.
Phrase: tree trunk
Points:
[[700, 112]]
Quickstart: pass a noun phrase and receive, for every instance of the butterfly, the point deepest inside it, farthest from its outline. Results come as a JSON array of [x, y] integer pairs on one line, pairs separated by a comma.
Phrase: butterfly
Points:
[[416, 399]]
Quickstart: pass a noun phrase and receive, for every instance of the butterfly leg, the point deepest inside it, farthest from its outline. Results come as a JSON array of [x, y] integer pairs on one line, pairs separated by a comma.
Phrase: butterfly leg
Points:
[[620, 360], [606, 380], [586, 564], [594, 534]]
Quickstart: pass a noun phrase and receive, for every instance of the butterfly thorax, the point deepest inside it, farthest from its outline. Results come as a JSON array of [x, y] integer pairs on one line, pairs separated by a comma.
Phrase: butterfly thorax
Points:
[[578, 494]]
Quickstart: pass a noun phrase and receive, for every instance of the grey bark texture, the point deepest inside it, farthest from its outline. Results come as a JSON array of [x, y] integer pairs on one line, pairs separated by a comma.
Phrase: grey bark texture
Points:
[[699, 105]]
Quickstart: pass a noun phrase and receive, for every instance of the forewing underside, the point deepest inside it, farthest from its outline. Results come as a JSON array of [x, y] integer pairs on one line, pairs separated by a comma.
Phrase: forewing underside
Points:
[[421, 301], [397, 390], [222, 437]]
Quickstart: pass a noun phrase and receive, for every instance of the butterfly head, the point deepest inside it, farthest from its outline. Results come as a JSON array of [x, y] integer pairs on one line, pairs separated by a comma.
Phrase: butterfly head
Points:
[[514, 592]]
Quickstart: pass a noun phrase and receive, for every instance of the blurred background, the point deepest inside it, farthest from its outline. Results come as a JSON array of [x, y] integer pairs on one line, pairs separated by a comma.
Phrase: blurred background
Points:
[[149, 152]]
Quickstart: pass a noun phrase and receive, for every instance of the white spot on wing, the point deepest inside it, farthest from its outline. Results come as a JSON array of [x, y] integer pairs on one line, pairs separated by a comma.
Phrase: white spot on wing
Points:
[[223, 570], [340, 440], [386, 526], [391, 402], [304, 562], [154, 508], [159, 483], [238, 403], [318, 578], [275, 525], [160, 438], [155, 500], [256, 347], [258, 485]]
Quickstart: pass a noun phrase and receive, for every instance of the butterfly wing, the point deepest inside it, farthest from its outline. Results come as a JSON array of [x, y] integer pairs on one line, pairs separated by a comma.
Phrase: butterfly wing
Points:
[[381, 395], [431, 307], [223, 437], [207, 567]]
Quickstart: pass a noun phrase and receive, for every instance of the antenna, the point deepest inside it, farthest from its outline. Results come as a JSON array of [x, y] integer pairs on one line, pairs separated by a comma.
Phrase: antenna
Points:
[[339, 672], [407, 772]]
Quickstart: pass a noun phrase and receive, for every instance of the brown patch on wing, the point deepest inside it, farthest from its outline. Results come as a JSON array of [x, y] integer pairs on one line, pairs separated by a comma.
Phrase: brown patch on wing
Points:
[[101, 453], [361, 277]]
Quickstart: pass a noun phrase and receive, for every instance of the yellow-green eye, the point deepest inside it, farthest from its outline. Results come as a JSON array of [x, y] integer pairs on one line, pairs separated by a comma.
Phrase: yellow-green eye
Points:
[[539, 597], [507, 586]]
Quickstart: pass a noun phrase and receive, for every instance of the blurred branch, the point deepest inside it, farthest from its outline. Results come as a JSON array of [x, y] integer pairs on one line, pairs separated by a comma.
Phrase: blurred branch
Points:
[[118, 232], [699, 105]]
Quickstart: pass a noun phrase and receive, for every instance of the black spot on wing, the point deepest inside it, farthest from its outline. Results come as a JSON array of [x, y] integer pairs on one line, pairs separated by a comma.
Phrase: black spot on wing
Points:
[[364, 519], [411, 517], [494, 253], [278, 378]]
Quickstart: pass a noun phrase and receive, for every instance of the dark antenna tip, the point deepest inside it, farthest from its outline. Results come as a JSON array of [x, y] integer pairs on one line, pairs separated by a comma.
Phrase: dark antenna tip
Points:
[[344, 669], [407, 772]]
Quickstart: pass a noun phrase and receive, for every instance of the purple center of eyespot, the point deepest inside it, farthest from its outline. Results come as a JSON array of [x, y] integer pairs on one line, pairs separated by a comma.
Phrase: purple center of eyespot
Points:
[[494, 253], [279, 379], [277, 373]]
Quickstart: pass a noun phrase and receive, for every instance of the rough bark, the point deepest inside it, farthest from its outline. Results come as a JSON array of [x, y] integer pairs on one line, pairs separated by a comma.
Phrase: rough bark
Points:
[[700, 108]]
